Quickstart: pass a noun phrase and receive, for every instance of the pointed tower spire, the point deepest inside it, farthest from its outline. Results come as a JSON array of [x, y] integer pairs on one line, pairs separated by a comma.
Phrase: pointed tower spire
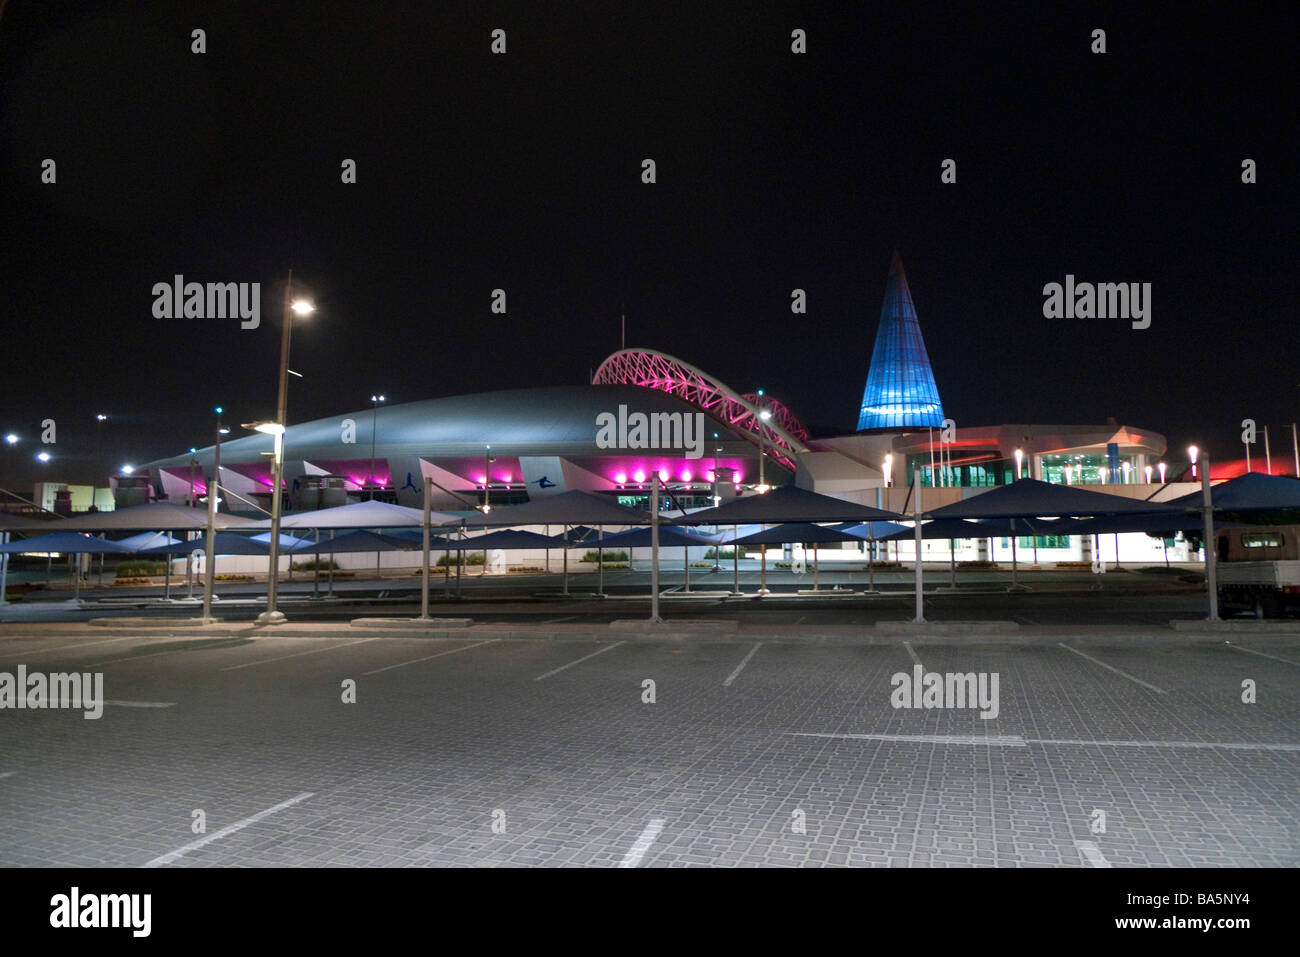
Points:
[[900, 392]]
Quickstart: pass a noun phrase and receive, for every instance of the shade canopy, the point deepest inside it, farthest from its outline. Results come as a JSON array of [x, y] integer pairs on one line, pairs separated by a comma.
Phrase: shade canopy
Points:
[[151, 515], [286, 541], [786, 503], [669, 536], [795, 533], [1029, 498], [872, 530], [359, 541], [506, 538], [226, 543], [361, 515], [147, 540], [944, 528], [1148, 522], [1253, 491], [66, 543], [565, 508]]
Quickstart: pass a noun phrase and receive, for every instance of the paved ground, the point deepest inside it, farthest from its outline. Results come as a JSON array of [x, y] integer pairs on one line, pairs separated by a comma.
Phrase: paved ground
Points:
[[753, 753]]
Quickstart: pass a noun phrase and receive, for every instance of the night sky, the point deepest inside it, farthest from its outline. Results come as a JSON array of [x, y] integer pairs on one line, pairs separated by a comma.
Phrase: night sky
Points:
[[522, 171]]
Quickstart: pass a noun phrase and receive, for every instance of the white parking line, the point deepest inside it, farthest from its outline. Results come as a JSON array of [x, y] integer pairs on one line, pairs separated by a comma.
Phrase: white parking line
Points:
[[413, 661], [1123, 674], [556, 671], [1092, 853], [556, 621], [1250, 651], [229, 829], [84, 644], [993, 740], [741, 667], [142, 704], [1015, 741], [637, 851], [298, 654], [915, 660], [185, 646]]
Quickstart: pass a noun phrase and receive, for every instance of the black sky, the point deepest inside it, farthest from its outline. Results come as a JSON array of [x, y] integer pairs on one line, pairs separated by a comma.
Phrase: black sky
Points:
[[522, 172]]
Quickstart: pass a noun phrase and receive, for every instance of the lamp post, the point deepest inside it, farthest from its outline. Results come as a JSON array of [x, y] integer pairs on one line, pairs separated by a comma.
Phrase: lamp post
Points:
[[100, 419], [291, 307], [374, 427], [488, 459], [1192, 452], [209, 544], [763, 416]]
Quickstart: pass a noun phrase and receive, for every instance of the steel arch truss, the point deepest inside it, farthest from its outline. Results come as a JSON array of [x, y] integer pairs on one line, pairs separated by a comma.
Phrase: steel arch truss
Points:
[[781, 434]]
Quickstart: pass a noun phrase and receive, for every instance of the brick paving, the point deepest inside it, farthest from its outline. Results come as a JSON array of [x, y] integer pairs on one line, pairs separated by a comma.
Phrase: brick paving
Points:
[[575, 766]]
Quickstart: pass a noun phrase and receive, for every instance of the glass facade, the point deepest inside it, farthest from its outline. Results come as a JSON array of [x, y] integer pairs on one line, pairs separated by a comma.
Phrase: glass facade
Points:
[[900, 391]]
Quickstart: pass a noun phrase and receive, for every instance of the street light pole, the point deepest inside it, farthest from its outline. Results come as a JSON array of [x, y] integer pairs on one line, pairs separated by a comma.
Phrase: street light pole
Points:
[[374, 428], [271, 616]]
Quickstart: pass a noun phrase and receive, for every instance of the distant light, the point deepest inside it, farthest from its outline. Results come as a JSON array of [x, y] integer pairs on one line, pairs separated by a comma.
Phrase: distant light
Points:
[[663, 475], [267, 428], [765, 414], [219, 410], [193, 450], [638, 476], [11, 438], [378, 398], [126, 469], [1162, 468], [1148, 471], [101, 417], [223, 431], [43, 456], [762, 489], [302, 307], [620, 478]]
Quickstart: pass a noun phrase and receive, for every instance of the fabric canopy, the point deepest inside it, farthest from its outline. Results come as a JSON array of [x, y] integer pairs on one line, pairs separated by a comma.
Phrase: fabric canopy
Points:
[[147, 540], [1253, 491], [1028, 498], [566, 508], [796, 533], [944, 528], [874, 530], [1110, 524], [506, 538], [669, 536], [286, 541], [786, 503], [227, 543], [361, 515], [164, 515], [66, 543], [359, 541]]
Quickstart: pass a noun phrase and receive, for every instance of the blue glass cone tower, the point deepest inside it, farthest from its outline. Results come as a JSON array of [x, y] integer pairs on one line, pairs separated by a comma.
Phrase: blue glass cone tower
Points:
[[900, 392]]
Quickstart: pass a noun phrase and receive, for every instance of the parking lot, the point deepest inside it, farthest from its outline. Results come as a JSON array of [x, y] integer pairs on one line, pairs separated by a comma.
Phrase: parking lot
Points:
[[1122, 746]]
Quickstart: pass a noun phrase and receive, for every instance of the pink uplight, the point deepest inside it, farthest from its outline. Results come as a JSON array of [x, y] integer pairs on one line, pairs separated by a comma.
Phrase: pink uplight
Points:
[[709, 476], [620, 478], [638, 476], [663, 475], [686, 475]]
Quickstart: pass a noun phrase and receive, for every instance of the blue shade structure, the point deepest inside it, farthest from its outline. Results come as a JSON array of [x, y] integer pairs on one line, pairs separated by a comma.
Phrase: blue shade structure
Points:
[[900, 392]]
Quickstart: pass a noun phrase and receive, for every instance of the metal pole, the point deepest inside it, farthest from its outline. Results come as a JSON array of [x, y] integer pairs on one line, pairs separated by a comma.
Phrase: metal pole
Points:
[[654, 548], [686, 555], [600, 561], [271, 616], [871, 555], [565, 534], [735, 560], [1268, 455], [815, 567], [916, 517], [4, 567], [424, 580], [1207, 510], [1013, 553], [208, 548], [1295, 446], [315, 580]]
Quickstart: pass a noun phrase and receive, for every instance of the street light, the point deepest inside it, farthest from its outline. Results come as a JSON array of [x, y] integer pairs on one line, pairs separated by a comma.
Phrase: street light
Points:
[[763, 415], [374, 428], [889, 468], [488, 459], [292, 307], [126, 469], [1192, 452], [1162, 467], [1149, 470], [1020, 458], [43, 456]]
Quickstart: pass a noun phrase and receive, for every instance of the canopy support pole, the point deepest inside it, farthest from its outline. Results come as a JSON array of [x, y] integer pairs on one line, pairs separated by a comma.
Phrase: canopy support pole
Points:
[[566, 558], [735, 561], [814, 566], [209, 545], [76, 576], [871, 565], [600, 561], [654, 550], [1013, 554], [4, 567], [167, 578], [686, 555], [424, 530], [1211, 570], [315, 578], [916, 516]]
